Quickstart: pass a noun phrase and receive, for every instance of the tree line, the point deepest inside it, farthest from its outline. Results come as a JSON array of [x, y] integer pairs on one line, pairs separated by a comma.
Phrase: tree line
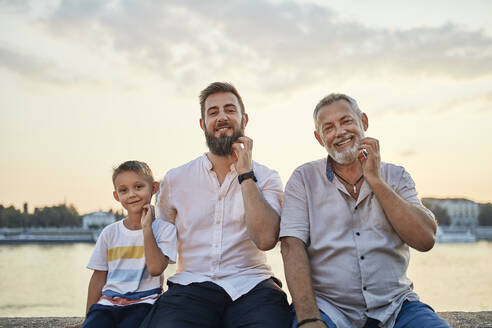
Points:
[[67, 216], [50, 216]]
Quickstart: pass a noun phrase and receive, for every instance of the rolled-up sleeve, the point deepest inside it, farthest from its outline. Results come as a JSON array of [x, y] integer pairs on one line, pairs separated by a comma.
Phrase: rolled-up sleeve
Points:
[[164, 208], [406, 189], [294, 220], [165, 236], [272, 190]]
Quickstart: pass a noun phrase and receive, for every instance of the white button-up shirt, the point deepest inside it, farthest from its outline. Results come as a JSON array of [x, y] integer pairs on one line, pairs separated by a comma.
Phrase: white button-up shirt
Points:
[[213, 241], [358, 261]]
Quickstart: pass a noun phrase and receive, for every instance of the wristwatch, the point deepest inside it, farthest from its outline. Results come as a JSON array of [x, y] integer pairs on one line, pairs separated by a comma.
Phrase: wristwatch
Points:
[[247, 175]]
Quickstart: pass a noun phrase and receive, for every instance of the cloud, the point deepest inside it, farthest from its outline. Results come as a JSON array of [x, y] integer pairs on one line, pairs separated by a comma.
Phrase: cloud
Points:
[[27, 65], [40, 69], [14, 6], [478, 102], [408, 153], [278, 46]]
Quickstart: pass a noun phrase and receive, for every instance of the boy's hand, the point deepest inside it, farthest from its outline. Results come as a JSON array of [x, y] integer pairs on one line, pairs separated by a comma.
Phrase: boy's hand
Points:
[[147, 216]]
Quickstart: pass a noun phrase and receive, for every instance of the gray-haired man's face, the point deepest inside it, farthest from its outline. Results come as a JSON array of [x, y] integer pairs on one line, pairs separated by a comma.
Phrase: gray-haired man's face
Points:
[[339, 130]]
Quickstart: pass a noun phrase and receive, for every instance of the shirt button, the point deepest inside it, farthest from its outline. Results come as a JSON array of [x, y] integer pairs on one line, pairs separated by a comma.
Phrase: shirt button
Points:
[[357, 233], [356, 207], [362, 257], [364, 288]]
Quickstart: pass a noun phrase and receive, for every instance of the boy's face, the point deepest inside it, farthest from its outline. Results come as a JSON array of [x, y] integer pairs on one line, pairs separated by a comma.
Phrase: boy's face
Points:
[[133, 190]]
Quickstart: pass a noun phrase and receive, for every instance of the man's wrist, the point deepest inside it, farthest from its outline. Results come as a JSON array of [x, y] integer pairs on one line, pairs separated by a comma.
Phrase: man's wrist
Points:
[[309, 320], [247, 175], [243, 170], [375, 181]]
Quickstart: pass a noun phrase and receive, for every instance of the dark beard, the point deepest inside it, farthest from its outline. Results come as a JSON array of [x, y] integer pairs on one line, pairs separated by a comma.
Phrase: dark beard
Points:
[[222, 146]]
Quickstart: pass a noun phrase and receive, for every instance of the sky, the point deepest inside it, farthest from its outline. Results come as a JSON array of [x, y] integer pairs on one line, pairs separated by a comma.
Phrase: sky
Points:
[[87, 85]]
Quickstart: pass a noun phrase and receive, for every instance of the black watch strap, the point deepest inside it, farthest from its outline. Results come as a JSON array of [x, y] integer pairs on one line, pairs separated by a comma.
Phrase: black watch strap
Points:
[[247, 175]]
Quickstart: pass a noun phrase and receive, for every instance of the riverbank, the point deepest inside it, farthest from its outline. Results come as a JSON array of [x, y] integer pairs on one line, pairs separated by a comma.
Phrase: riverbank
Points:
[[76, 235], [47, 235], [455, 319]]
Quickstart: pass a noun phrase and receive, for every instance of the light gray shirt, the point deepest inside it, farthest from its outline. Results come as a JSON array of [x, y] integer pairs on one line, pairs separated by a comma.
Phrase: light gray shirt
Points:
[[358, 262]]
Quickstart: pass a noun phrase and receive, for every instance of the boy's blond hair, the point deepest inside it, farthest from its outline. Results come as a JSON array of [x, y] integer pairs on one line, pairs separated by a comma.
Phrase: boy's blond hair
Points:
[[134, 166]]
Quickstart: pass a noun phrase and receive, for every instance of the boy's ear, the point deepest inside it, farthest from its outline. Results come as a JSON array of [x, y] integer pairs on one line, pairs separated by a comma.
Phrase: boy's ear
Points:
[[115, 195], [155, 187]]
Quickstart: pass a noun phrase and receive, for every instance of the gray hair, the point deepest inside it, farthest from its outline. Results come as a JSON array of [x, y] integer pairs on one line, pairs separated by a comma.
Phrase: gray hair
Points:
[[330, 99]]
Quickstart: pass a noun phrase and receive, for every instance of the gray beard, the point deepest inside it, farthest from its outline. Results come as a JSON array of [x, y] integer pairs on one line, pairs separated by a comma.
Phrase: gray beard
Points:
[[345, 157], [222, 146], [348, 156]]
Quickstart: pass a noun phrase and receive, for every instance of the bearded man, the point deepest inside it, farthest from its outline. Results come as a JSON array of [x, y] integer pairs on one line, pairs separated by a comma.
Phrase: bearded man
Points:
[[226, 210], [347, 223]]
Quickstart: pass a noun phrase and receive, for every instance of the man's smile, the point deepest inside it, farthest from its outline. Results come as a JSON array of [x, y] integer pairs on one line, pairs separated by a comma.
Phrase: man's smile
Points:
[[344, 141], [222, 129]]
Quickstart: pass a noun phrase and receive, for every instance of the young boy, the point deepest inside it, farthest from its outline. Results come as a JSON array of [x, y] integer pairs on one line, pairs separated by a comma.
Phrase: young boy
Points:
[[130, 255]]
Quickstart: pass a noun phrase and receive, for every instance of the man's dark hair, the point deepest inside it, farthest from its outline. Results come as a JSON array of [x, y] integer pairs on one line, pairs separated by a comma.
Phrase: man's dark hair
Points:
[[134, 166], [217, 87]]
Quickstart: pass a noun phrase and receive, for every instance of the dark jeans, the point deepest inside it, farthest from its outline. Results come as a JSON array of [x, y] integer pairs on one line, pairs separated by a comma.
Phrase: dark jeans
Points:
[[207, 305], [412, 315], [419, 315], [116, 316]]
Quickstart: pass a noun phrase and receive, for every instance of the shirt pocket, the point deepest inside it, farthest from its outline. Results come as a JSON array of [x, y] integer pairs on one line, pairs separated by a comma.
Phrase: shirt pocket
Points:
[[376, 215], [234, 210]]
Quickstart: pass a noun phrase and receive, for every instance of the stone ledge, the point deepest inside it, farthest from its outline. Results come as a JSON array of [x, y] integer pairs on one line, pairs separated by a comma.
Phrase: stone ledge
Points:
[[481, 319], [455, 319]]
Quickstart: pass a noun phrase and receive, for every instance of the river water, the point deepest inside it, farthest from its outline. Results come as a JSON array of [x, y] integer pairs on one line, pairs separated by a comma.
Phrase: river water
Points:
[[51, 280]]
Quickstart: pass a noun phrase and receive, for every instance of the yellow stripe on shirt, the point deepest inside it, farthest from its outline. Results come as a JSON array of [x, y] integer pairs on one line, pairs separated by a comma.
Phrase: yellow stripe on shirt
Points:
[[125, 252]]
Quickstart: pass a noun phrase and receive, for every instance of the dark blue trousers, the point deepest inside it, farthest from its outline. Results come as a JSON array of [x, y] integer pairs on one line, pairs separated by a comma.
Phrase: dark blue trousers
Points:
[[207, 305], [116, 316]]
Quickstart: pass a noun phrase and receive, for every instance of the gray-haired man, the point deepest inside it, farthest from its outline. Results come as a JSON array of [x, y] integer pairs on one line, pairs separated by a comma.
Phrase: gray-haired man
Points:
[[347, 223]]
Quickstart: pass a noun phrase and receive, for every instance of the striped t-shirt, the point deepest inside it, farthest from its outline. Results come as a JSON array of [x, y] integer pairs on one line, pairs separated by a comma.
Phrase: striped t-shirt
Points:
[[120, 251]]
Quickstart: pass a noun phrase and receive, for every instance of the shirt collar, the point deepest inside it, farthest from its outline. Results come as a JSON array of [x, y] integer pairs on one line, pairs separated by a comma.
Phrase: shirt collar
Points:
[[329, 170], [208, 164]]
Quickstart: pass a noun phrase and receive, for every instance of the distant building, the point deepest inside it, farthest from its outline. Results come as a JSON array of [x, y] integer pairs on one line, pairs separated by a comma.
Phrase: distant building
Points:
[[462, 212], [97, 220]]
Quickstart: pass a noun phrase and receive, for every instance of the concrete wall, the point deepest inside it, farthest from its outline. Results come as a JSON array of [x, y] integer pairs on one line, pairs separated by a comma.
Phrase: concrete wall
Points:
[[455, 319]]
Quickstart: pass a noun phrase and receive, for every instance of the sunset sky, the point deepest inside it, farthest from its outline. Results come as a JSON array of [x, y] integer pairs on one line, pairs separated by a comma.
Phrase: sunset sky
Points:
[[86, 85]]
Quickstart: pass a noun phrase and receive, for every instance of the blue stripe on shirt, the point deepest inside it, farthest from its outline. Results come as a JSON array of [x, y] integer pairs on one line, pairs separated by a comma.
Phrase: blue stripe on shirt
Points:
[[132, 295], [124, 275]]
